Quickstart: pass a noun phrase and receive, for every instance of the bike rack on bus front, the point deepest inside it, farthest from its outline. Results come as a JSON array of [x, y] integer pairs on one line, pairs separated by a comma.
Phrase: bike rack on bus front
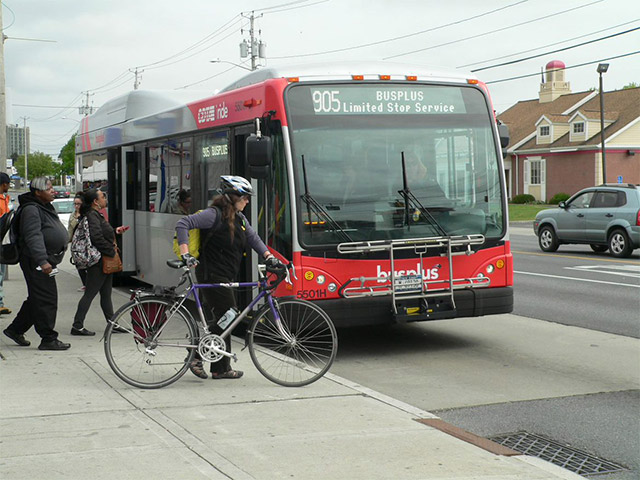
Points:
[[413, 287]]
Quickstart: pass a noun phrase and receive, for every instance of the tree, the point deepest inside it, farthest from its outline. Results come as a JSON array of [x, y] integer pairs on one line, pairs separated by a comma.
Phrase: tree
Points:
[[68, 156], [40, 164]]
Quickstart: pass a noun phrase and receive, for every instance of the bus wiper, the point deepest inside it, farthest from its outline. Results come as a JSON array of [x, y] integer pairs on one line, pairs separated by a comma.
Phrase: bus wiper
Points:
[[410, 200], [315, 207]]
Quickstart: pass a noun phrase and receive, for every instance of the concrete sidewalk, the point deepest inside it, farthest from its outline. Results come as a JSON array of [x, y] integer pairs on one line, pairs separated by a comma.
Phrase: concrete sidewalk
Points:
[[64, 415]]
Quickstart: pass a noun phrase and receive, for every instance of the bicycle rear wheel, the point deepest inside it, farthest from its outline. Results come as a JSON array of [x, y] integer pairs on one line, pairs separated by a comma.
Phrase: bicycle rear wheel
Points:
[[298, 351], [142, 357]]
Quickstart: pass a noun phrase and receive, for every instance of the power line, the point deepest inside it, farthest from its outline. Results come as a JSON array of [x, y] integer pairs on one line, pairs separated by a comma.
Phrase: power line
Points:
[[566, 68], [494, 31], [556, 51], [13, 20], [205, 79], [195, 45], [296, 8], [199, 51], [280, 6], [38, 106], [403, 36], [547, 45]]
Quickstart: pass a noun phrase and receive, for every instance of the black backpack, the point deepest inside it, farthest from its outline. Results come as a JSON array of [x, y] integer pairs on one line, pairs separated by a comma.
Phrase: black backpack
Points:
[[9, 238]]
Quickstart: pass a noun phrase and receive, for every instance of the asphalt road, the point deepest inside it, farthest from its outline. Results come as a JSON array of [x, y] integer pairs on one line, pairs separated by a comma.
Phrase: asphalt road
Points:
[[565, 365], [576, 286]]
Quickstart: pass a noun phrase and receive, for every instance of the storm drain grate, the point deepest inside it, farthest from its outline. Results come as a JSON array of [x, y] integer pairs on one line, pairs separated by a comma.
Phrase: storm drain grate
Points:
[[574, 460]]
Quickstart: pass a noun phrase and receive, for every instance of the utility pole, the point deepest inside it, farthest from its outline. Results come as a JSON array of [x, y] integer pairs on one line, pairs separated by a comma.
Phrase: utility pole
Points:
[[86, 109], [3, 102], [253, 47], [26, 151], [136, 81]]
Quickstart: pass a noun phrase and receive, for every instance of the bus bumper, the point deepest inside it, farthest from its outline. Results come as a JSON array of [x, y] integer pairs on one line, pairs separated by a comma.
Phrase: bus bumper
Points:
[[378, 310]]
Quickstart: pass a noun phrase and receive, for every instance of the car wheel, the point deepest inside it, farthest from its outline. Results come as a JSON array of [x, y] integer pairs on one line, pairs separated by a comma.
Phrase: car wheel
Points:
[[619, 244], [599, 248], [547, 239]]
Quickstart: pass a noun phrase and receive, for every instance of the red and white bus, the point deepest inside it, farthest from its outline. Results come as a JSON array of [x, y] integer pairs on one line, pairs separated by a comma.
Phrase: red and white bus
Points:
[[382, 183]]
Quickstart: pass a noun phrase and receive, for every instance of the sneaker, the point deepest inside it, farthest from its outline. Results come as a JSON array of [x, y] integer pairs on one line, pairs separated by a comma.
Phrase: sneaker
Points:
[[82, 332], [5, 311], [54, 345], [19, 339]]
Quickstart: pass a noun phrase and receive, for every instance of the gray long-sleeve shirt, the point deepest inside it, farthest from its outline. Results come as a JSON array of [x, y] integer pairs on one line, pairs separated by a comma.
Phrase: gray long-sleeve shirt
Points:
[[206, 219]]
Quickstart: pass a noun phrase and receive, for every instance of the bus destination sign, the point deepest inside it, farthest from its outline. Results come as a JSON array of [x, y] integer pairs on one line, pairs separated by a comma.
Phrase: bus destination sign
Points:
[[375, 100]]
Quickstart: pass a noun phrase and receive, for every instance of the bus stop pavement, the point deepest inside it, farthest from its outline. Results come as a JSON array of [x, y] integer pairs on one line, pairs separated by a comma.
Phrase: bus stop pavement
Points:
[[65, 415]]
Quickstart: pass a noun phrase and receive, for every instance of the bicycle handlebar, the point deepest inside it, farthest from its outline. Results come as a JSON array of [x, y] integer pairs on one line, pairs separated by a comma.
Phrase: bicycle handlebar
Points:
[[280, 270]]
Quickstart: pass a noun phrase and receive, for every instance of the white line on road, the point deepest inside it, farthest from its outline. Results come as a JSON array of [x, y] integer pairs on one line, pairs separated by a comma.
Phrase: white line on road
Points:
[[577, 279], [632, 271]]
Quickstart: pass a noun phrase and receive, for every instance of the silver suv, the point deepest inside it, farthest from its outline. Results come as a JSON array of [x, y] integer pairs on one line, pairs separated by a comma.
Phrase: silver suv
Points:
[[606, 217]]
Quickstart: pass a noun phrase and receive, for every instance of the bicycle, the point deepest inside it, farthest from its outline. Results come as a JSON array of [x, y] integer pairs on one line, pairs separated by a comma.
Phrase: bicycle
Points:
[[151, 340]]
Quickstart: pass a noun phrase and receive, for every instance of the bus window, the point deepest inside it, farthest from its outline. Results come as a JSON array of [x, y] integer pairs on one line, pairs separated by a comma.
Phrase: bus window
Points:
[[169, 172], [211, 159], [94, 171], [353, 169]]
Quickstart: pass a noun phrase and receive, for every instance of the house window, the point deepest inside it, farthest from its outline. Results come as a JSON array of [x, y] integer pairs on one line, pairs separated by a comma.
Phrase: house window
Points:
[[535, 171], [578, 127], [544, 131]]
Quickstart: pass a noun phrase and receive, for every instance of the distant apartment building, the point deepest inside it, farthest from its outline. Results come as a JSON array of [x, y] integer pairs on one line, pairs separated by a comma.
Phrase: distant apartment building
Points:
[[16, 140]]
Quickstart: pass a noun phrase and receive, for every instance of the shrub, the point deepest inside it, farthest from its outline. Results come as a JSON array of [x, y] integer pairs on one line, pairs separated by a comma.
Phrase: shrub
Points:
[[523, 198], [558, 197]]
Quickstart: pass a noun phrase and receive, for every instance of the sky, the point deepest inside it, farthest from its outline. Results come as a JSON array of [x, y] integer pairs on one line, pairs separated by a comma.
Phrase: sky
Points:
[[95, 46]]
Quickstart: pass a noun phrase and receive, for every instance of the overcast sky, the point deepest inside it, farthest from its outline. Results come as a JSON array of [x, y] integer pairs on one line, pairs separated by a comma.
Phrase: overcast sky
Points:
[[97, 43]]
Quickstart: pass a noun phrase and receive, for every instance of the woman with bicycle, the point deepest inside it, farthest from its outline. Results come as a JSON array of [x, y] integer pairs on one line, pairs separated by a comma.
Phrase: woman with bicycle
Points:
[[224, 235]]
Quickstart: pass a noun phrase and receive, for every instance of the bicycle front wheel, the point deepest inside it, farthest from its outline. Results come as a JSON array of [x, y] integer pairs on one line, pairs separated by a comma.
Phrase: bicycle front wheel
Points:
[[152, 344], [296, 350]]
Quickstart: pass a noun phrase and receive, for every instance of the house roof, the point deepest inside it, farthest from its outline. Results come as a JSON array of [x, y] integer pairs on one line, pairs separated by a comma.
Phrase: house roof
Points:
[[621, 108]]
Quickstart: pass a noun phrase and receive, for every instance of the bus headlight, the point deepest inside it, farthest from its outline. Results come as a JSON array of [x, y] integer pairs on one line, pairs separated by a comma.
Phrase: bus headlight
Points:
[[490, 268]]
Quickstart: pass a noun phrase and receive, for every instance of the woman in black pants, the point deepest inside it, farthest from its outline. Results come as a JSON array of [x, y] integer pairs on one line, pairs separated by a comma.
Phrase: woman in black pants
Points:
[[103, 238], [43, 240], [227, 233]]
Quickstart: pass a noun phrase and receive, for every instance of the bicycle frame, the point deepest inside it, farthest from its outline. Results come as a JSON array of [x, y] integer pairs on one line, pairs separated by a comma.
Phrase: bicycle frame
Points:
[[265, 291]]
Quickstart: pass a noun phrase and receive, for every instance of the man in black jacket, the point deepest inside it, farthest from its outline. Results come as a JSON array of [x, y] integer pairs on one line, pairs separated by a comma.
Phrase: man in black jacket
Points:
[[42, 241]]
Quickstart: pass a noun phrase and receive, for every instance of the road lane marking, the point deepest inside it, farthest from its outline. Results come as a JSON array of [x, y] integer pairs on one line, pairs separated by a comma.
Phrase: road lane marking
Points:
[[577, 279], [599, 259], [621, 270]]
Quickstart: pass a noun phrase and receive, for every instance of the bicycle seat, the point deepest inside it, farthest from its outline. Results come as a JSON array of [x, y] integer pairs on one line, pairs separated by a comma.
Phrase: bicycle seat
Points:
[[175, 263]]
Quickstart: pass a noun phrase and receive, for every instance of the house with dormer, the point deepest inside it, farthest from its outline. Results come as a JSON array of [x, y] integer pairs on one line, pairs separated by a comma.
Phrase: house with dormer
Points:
[[555, 145]]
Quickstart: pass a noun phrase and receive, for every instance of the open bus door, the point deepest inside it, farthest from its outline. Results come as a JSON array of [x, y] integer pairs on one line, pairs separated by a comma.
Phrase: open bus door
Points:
[[131, 168], [248, 270]]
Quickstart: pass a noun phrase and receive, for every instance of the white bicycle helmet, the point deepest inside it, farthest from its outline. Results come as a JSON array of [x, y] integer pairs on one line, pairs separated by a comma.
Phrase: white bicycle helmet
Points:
[[236, 185]]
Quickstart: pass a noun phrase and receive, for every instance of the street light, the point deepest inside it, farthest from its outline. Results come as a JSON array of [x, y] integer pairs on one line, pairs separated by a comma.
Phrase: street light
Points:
[[602, 68], [230, 63]]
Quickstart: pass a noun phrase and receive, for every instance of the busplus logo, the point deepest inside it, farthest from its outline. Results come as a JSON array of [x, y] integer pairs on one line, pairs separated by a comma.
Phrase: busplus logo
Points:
[[431, 274]]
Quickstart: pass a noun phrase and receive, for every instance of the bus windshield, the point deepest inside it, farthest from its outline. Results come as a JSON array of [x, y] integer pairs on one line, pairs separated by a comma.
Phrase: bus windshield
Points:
[[348, 146]]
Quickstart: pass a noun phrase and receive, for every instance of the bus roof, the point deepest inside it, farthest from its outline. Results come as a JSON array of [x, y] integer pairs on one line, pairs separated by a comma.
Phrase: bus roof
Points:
[[141, 103], [345, 70]]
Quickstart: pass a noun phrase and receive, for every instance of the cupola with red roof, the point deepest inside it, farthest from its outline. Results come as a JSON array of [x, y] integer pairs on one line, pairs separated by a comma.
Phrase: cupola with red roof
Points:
[[553, 84]]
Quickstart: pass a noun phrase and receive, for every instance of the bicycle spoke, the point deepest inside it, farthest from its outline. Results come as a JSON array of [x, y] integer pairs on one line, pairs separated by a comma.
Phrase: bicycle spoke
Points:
[[157, 348], [298, 350]]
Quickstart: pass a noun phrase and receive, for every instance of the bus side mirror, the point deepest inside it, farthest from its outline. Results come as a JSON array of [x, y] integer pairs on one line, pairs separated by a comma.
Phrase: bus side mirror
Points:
[[503, 132], [259, 154]]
